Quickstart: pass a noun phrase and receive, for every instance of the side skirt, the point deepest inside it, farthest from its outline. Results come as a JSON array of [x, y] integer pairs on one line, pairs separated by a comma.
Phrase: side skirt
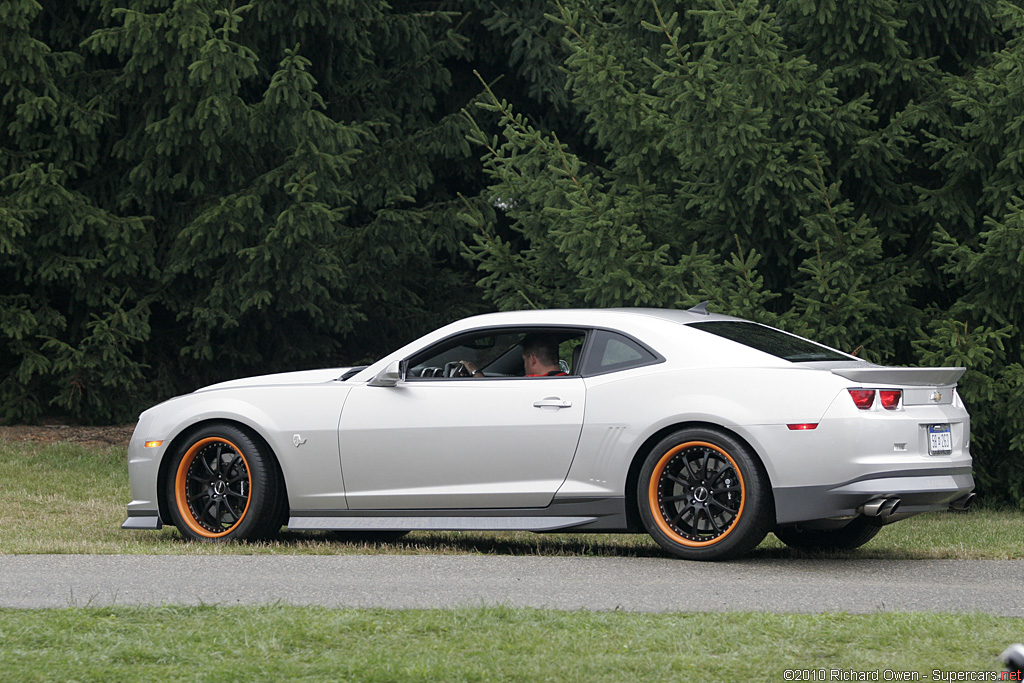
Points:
[[576, 514]]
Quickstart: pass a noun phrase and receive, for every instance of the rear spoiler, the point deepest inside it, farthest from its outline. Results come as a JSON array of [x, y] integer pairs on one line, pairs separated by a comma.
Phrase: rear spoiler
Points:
[[915, 377]]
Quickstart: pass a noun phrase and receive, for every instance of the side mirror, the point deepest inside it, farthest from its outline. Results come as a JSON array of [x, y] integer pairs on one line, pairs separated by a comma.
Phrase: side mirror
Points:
[[388, 377]]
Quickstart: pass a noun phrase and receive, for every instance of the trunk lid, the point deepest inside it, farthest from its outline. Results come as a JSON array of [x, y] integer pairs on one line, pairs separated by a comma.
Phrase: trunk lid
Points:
[[921, 386]]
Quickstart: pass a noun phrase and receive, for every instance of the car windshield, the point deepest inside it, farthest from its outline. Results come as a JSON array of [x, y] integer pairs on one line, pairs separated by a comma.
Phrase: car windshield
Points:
[[771, 341]]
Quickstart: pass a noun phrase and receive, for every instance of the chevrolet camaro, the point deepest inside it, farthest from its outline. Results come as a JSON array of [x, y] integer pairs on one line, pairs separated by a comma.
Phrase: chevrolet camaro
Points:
[[703, 430]]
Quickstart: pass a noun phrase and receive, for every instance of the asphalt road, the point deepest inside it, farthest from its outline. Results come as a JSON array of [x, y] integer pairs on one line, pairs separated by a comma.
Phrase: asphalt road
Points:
[[568, 583]]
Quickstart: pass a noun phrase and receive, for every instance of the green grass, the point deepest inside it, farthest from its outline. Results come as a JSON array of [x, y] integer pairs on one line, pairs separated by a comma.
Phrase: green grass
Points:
[[63, 498], [67, 499], [278, 643]]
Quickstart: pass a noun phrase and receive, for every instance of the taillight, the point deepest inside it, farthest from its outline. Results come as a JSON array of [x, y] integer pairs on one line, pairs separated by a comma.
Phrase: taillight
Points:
[[863, 398], [890, 398]]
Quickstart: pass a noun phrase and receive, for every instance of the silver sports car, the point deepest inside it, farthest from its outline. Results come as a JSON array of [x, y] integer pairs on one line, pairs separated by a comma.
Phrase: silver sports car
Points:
[[704, 430]]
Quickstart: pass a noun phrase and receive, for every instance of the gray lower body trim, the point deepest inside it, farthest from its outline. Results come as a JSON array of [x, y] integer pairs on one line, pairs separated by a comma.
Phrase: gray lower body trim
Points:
[[435, 523], [918, 491], [580, 514], [142, 519]]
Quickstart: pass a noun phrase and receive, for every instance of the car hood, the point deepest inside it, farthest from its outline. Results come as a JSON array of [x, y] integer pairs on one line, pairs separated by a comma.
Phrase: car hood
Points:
[[301, 377]]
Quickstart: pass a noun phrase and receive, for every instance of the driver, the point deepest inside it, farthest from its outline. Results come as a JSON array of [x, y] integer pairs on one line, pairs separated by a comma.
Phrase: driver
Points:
[[540, 357]]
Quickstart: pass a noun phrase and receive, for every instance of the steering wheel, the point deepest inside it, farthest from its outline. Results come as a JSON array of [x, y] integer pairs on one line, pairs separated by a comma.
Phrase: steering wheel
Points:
[[455, 368]]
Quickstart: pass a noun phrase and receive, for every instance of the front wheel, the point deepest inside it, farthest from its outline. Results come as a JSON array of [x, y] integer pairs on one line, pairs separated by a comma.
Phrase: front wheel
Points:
[[703, 495], [223, 485]]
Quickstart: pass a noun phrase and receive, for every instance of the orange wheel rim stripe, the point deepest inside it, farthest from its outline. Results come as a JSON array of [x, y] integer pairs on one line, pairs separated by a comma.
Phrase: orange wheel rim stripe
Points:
[[181, 487], [655, 506]]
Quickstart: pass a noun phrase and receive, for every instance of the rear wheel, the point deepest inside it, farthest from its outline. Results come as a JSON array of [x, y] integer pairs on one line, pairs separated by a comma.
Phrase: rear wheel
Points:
[[223, 486], [853, 535], [704, 496]]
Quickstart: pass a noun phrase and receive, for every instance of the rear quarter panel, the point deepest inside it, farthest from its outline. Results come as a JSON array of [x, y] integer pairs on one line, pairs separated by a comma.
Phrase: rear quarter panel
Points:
[[625, 409]]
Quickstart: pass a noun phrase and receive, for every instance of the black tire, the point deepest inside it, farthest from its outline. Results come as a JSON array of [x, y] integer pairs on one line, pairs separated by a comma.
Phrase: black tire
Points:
[[703, 495], [853, 535], [223, 485]]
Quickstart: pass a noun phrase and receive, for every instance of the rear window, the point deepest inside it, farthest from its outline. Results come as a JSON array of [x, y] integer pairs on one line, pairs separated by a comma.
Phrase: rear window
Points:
[[610, 352], [771, 341]]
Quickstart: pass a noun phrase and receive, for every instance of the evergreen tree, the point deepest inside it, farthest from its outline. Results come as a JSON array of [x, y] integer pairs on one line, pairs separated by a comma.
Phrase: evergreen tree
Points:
[[201, 189], [847, 171], [76, 275], [197, 189], [720, 145], [979, 248]]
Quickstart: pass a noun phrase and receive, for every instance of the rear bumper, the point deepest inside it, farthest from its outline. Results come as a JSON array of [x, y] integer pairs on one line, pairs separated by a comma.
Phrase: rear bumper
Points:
[[854, 457], [918, 491]]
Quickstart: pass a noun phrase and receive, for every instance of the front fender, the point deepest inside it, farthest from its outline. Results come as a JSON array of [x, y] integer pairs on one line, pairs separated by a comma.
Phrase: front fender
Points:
[[299, 423]]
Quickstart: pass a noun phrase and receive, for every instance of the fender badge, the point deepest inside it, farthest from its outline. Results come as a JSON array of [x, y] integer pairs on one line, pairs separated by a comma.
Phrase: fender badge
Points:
[[937, 396], [298, 440]]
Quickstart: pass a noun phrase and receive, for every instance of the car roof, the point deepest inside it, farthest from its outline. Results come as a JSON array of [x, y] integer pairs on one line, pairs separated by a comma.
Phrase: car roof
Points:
[[594, 316]]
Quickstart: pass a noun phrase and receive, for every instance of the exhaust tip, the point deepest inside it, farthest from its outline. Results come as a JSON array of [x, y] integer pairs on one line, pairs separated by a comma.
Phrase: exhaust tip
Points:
[[871, 508], [964, 502], [880, 507], [888, 508]]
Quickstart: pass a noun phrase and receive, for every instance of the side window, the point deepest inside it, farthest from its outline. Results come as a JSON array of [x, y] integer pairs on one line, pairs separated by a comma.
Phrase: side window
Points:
[[482, 349], [496, 353], [611, 352]]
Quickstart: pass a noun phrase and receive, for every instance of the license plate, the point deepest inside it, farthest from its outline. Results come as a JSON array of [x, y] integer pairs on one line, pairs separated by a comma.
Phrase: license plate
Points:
[[940, 440]]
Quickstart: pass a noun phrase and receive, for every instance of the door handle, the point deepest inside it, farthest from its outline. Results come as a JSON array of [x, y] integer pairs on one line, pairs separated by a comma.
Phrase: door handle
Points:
[[552, 402]]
